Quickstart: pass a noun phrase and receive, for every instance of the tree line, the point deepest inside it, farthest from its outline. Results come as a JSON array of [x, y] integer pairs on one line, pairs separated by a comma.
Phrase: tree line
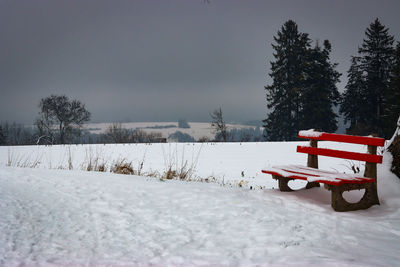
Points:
[[14, 134], [304, 93], [60, 121]]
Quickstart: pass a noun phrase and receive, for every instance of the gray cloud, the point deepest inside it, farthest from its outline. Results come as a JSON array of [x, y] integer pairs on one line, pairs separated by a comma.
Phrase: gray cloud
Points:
[[162, 60]]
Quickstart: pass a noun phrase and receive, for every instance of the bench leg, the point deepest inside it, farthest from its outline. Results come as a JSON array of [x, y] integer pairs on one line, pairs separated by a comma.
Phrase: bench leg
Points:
[[283, 183], [369, 199], [284, 187], [312, 184]]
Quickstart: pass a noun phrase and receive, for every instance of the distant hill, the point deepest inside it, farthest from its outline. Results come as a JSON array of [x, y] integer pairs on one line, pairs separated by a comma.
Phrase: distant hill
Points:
[[196, 130], [257, 123]]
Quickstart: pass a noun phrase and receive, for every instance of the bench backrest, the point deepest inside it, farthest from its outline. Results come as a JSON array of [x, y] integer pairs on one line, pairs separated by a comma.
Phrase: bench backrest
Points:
[[362, 140]]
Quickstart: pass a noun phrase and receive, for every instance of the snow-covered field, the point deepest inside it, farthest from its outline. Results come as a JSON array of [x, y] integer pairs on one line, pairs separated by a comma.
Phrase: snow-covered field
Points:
[[196, 130], [74, 217], [227, 162]]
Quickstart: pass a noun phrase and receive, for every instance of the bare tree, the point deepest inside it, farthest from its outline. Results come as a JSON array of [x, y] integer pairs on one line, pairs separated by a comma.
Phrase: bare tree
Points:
[[44, 131], [116, 134], [59, 113], [219, 124]]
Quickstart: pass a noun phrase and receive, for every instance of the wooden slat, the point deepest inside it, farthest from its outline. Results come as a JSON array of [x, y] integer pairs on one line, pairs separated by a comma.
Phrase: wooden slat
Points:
[[340, 154], [339, 181], [362, 140]]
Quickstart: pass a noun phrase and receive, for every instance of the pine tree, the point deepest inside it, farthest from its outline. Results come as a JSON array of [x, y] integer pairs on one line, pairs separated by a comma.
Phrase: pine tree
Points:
[[320, 93], [2, 136], [353, 98], [364, 100], [392, 105], [287, 72], [376, 59]]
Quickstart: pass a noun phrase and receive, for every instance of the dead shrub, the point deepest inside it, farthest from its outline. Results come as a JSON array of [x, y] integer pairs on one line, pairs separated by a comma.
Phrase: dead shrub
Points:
[[123, 167], [169, 174], [184, 173], [96, 166], [89, 167], [93, 161], [101, 168], [176, 166]]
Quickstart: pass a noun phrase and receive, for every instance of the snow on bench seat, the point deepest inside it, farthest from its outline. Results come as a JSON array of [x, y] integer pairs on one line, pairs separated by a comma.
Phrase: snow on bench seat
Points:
[[316, 175]]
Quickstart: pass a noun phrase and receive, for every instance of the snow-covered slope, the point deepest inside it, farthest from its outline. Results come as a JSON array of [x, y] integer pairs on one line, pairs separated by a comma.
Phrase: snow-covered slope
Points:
[[64, 217]]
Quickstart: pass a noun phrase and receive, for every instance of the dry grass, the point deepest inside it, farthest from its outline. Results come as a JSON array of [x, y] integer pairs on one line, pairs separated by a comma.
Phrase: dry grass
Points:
[[181, 173], [23, 161], [152, 173], [101, 168], [243, 183], [169, 174], [95, 165], [93, 161], [123, 167], [177, 166], [70, 166]]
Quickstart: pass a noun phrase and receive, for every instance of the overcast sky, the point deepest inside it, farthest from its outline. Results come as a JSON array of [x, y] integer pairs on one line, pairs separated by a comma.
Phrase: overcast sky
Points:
[[163, 60]]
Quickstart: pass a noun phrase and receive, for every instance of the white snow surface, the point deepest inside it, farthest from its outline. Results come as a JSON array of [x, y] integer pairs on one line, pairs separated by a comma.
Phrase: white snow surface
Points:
[[64, 217], [310, 133]]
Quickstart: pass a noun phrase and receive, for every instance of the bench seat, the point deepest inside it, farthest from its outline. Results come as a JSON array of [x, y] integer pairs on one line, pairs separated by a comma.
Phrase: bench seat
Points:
[[317, 175]]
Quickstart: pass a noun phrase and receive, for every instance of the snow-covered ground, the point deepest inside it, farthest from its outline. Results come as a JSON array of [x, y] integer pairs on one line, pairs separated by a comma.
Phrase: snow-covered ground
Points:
[[227, 162], [73, 217], [196, 130]]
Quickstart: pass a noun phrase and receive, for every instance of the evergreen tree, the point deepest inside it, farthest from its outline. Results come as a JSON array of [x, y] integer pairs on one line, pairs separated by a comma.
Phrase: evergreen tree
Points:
[[376, 59], [364, 99], [320, 93], [2, 136], [353, 98], [392, 106], [287, 72]]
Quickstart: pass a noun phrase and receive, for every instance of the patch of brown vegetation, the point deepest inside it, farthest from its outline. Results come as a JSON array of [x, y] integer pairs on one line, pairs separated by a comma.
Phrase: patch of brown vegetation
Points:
[[123, 167], [101, 168], [170, 174]]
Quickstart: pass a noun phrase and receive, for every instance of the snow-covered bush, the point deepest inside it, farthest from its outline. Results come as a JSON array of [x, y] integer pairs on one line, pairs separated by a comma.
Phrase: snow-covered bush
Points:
[[394, 148]]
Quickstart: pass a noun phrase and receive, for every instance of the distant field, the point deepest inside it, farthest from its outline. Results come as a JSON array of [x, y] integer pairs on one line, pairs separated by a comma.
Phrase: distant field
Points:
[[196, 130]]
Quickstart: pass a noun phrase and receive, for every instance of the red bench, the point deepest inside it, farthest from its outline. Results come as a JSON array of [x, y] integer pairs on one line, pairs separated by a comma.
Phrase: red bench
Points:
[[336, 182]]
